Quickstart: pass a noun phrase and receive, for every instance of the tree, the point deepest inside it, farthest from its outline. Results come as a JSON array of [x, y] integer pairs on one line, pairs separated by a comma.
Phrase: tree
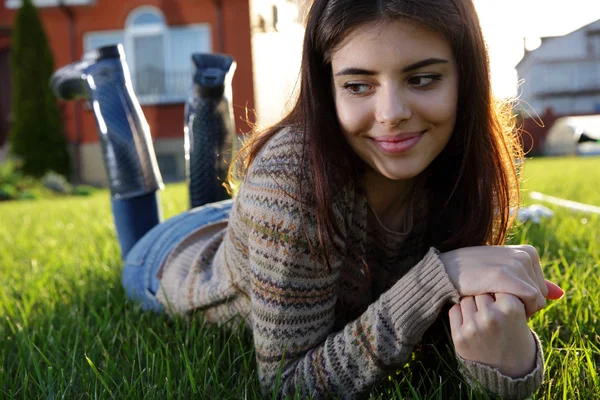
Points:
[[36, 135]]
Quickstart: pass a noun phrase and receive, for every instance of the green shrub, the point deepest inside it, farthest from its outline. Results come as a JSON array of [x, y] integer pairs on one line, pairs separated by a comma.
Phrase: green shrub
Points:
[[36, 135], [8, 192], [27, 195], [9, 174], [83, 190]]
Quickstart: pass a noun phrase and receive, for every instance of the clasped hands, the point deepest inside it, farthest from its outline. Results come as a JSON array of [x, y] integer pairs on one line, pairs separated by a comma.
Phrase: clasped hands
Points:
[[500, 288]]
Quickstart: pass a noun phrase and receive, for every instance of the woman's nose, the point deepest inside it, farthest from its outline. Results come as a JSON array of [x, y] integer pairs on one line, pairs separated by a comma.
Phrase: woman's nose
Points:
[[392, 108]]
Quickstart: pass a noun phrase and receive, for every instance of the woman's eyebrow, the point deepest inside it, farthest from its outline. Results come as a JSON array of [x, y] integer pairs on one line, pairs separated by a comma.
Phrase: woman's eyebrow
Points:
[[355, 71], [424, 63], [411, 67]]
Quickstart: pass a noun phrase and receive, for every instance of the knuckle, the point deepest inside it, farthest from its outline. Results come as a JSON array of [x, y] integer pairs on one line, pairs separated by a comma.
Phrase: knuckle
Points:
[[469, 330], [511, 307], [528, 291], [531, 294], [489, 321], [521, 261], [512, 265], [524, 258], [529, 249], [501, 316], [533, 253]]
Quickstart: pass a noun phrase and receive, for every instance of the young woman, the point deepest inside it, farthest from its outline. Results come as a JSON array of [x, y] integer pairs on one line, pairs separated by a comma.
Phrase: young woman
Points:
[[383, 197]]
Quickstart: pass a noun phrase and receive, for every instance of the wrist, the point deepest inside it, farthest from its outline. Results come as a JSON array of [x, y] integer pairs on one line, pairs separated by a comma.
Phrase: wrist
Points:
[[522, 361]]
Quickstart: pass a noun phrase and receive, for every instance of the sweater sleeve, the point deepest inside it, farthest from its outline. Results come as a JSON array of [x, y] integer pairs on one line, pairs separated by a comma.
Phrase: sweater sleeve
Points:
[[293, 297], [496, 383]]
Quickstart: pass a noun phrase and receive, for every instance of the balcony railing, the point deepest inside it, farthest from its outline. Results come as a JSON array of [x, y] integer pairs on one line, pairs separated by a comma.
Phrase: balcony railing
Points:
[[157, 86]]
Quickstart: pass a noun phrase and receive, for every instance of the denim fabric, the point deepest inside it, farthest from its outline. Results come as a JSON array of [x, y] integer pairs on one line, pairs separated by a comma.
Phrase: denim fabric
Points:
[[143, 261], [134, 217]]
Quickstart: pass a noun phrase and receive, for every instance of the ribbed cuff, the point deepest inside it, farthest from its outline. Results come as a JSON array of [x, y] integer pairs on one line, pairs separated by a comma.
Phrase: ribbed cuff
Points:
[[494, 382], [416, 300]]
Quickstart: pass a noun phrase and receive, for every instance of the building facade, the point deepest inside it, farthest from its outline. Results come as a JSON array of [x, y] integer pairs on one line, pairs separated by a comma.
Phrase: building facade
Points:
[[158, 36], [563, 74]]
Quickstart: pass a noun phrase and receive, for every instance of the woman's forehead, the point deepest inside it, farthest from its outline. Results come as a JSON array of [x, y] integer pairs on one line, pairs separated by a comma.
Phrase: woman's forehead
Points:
[[396, 41]]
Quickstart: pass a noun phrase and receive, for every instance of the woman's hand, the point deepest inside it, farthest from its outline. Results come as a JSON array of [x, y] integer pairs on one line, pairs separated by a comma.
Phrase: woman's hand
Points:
[[498, 269], [493, 330]]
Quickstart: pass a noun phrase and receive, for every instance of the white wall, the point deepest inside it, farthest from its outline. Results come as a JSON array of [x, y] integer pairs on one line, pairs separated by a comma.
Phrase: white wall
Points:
[[562, 64], [276, 60]]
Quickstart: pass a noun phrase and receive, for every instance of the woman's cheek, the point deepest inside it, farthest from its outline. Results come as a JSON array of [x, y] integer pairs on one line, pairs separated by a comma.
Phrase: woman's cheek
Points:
[[351, 114], [440, 110]]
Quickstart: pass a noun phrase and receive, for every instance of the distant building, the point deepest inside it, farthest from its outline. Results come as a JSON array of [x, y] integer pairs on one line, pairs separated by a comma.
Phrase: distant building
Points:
[[563, 74], [159, 37], [277, 38], [267, 15]]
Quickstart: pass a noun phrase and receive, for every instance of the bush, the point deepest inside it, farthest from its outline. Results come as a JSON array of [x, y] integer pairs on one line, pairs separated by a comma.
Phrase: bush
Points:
[[36, 135], [83, 190], [8, 192], [9, 173], [16, 186], [27, 195]]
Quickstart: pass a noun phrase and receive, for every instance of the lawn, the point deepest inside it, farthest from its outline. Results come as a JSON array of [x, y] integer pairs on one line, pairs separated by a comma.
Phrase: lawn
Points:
[[67, 331]]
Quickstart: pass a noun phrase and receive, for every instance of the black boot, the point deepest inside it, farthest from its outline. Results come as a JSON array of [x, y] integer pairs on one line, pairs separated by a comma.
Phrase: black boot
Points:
[[209, 128], [102, 77]]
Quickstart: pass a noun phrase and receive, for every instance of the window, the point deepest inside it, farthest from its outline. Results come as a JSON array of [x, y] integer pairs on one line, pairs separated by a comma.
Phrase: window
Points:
[[558, 77], [14, 4], [159, 56], [594, 45], [101, 39], [587, 75], [145, 35]]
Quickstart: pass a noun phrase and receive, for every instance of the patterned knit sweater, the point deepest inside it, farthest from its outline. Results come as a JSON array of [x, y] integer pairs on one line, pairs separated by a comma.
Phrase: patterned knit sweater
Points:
[[337, 330]]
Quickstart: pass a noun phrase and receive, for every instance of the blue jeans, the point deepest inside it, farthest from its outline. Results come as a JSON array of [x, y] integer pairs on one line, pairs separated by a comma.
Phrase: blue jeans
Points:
[[144, 249]]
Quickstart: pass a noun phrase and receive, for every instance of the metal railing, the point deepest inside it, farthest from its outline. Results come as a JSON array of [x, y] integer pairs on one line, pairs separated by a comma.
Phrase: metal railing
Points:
[[156, 85]]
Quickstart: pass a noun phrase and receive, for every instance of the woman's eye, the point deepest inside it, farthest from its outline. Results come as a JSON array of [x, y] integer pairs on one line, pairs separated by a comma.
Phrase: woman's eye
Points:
[[357, 88], [423, 80]]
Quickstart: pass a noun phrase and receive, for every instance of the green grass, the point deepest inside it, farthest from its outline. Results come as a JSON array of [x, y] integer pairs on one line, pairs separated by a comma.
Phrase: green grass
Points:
[[67, 330]]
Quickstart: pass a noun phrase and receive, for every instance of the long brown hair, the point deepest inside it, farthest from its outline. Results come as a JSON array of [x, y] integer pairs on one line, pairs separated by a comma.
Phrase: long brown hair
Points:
[[472, 185]]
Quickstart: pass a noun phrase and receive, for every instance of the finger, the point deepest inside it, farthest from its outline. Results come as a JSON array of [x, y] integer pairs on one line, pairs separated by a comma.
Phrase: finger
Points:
[[456, 319], [484, 301], [523, 264], [529, 295], [537, 268], [468, 307], [554, 291], [508, 301]]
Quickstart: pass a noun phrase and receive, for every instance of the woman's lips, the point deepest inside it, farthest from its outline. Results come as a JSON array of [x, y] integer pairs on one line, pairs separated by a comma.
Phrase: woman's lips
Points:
[[398, 143]]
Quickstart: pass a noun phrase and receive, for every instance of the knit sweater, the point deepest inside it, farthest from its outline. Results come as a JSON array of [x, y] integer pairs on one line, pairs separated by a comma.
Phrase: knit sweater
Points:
[[325, 329]]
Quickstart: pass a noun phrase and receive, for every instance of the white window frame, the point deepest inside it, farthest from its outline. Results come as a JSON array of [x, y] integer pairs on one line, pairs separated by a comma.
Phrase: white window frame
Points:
[[88, 35], [171, 96], [131, 32], [15, 4]]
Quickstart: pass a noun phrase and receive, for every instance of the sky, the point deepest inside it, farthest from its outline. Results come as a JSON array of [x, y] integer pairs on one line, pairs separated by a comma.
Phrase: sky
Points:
[[506, 22]]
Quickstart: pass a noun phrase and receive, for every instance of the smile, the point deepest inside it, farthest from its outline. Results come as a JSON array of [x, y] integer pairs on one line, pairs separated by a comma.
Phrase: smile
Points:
[[398, 143]]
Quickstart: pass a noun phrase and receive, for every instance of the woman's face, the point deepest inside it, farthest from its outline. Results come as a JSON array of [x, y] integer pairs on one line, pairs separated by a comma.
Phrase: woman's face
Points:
[[395, 90]]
